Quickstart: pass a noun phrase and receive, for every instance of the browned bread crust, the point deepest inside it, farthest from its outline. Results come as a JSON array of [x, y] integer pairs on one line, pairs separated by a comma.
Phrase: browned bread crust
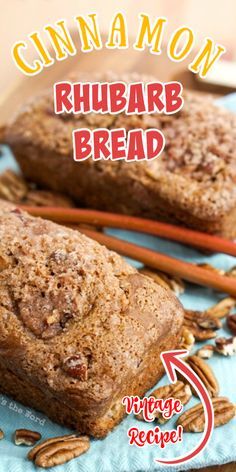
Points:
[[193, 182], [79, 327]]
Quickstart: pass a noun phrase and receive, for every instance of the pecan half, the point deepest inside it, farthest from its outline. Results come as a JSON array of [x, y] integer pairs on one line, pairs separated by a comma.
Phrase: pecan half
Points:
[[205, 373], [76, 366], [187, 339], [178, 391], [231, 322], [222, 308], [193, 420], [201, 324], [231, 272], [12, 187], [56, 451], [170, 282], [205, 352], [26, 437], [1, 434], [226, 346]]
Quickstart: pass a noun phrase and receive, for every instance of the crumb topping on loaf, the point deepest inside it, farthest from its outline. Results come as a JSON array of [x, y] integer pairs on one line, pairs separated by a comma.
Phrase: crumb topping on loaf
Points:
[[75, 318]]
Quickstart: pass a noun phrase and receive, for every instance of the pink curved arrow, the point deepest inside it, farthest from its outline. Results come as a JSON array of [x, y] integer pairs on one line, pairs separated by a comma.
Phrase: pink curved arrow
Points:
[[172, 362]]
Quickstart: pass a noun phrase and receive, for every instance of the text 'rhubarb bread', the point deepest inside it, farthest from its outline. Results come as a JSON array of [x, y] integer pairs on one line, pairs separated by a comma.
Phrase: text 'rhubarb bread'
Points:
[[192, 182], [79, 327]]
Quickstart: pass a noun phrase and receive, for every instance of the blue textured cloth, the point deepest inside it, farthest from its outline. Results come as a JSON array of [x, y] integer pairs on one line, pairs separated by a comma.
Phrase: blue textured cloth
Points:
[[113, 454]]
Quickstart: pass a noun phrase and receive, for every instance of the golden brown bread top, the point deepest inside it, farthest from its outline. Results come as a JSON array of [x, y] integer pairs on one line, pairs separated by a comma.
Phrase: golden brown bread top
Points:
[[75, 318], [197, 169]]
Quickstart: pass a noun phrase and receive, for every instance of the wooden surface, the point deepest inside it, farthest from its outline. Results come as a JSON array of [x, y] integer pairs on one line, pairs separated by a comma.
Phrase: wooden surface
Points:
[[117, 61]]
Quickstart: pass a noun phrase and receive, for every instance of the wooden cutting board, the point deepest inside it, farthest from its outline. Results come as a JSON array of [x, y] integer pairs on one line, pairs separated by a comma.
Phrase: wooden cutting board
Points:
[[115, 60]]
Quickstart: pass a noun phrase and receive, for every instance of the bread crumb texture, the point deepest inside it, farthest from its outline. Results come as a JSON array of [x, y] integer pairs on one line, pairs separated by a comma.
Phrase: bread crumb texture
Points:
[[75, 319]]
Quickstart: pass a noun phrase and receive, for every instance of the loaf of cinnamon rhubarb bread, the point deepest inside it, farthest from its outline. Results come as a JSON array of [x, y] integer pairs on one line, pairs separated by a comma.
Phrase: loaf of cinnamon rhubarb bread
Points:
[[79, 327], [192, 182]]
